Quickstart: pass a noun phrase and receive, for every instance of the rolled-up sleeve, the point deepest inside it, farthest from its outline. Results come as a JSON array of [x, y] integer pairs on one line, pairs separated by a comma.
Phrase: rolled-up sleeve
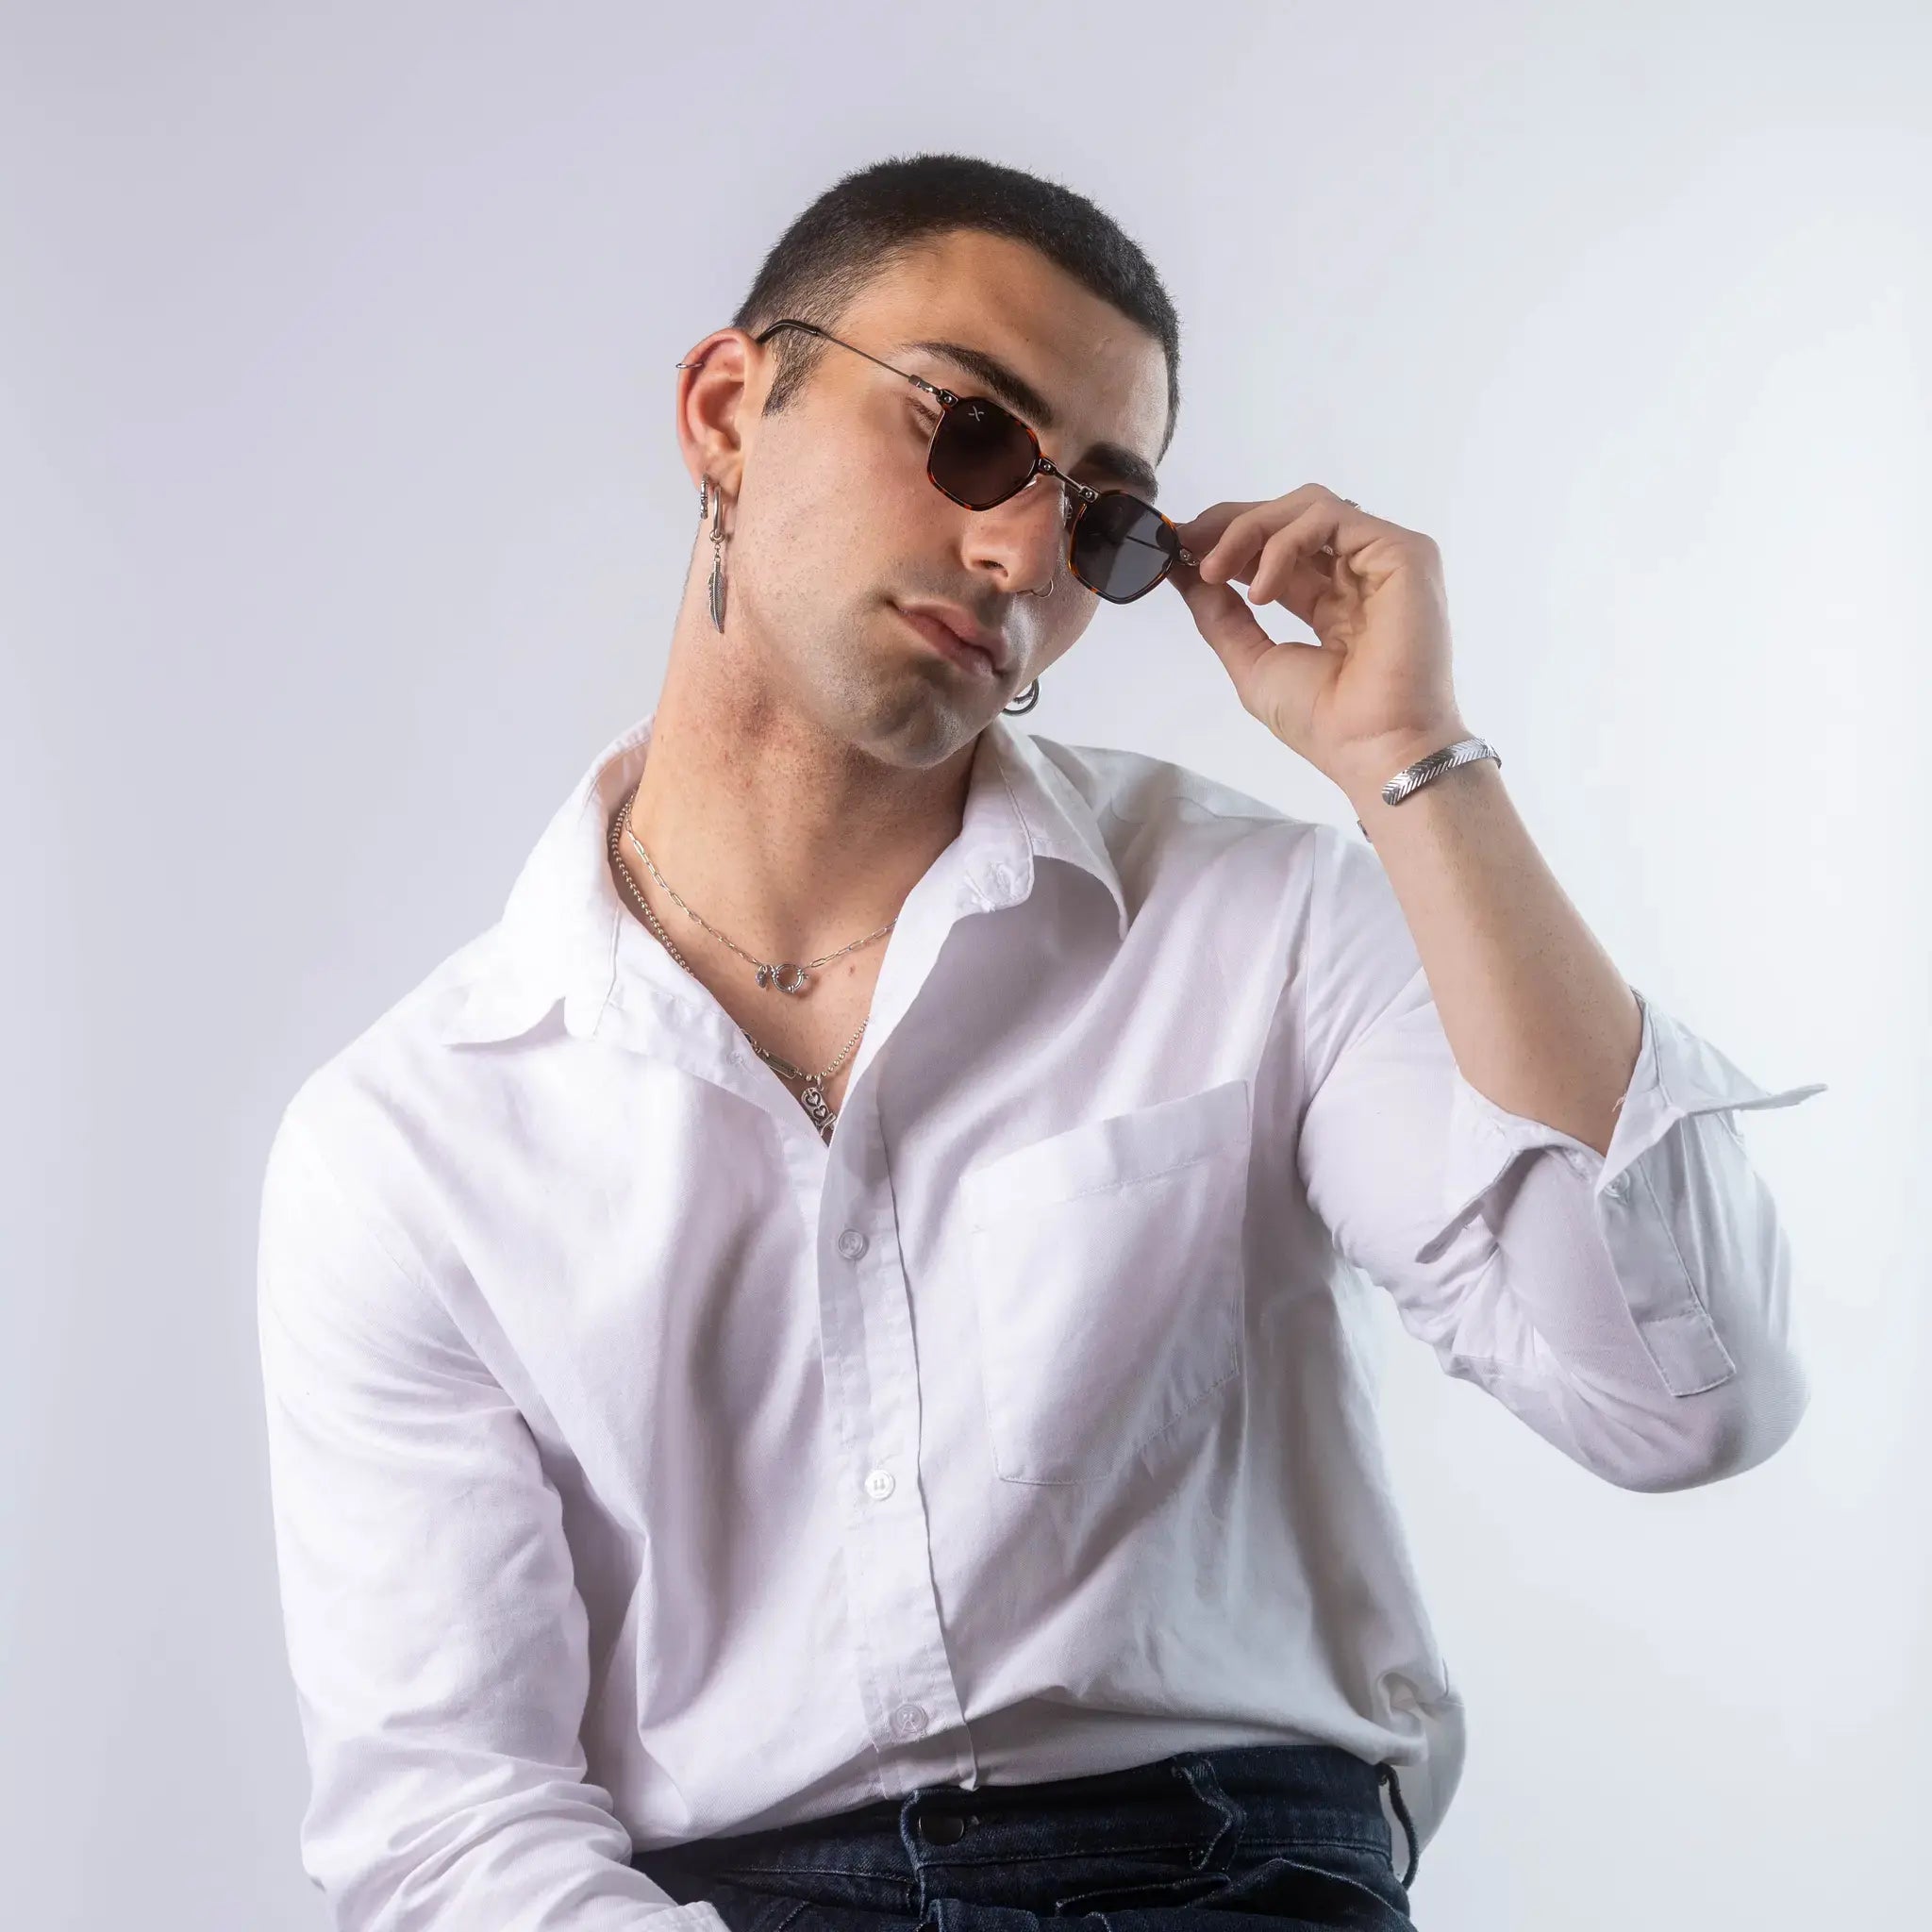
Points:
[[434, 1629], [1634, 1306]]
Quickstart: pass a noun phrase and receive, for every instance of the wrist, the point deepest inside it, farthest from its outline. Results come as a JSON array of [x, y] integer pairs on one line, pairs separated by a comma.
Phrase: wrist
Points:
[[1368, 766]]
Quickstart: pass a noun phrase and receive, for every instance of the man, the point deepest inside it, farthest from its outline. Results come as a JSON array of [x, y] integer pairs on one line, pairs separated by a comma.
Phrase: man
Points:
[[807, 1371]]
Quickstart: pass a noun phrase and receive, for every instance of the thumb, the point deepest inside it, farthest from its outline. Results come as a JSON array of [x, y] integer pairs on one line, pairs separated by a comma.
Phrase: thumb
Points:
[[1271, 678]]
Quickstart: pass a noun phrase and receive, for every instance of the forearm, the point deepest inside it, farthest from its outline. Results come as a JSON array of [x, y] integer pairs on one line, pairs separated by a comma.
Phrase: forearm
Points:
[[1536, 1012]]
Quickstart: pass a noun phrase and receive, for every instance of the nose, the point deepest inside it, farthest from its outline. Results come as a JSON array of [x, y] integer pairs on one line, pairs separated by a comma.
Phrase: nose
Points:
[[1024, 538]]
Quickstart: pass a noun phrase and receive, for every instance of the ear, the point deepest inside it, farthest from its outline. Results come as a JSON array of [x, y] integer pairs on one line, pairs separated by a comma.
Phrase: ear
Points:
[[720, 384]]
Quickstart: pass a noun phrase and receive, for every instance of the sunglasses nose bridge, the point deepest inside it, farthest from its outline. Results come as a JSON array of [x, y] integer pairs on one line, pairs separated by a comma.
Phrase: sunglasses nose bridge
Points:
[[1099, 568], [1067, 503], [1038, 468], [1072, 499], [1007, 540]]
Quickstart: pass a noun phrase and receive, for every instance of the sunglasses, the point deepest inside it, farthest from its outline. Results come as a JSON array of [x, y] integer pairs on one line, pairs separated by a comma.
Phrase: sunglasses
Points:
[[1118, 546]]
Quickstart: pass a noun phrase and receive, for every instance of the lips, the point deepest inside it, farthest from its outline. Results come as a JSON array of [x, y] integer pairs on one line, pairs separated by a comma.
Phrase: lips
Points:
[[943, 637]]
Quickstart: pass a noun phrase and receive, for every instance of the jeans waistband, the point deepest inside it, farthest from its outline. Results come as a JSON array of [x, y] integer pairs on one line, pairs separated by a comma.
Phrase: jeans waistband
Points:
[[1241, 1798]]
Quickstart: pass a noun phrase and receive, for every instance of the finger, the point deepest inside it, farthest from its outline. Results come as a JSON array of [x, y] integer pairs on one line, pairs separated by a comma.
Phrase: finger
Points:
[[1273, 680], [1222, 617], [1202, 533], [1297, 563], [1234, 551], [1225, 620], [1228, 556]]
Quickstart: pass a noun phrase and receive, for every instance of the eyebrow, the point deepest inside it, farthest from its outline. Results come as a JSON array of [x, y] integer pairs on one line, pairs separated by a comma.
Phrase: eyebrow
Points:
[[1115, 459]]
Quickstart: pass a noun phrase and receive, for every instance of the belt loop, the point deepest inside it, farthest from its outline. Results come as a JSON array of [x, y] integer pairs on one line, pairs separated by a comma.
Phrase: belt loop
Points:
[[1197, 1768], [1385, 1774]]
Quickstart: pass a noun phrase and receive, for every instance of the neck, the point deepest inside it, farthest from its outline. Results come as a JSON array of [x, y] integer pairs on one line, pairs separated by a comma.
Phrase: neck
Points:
[[788, 840]]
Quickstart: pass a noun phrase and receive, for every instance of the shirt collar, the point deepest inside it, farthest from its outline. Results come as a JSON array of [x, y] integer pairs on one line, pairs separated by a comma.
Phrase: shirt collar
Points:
[[558, 936]]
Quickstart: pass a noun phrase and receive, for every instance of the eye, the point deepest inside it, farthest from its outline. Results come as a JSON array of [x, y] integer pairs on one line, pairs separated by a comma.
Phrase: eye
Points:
[[926, 416]]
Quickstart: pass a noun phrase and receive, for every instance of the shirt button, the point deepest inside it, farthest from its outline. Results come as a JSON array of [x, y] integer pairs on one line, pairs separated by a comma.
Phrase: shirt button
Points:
[[1002, 878], [909, 1720], [878, 1485], [852, 1245], [1618, 1189]]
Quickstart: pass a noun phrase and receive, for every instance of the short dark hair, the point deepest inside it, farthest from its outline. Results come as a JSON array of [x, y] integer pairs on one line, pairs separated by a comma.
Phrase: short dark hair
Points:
[[876, 216]]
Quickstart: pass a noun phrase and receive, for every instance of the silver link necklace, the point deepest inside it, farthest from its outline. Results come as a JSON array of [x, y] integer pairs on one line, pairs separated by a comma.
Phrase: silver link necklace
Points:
[[769, 973], [788, 977]]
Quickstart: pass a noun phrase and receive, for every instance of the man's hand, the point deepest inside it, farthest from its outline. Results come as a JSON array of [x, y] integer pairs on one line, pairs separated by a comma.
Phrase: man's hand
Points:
[[1375, 692]]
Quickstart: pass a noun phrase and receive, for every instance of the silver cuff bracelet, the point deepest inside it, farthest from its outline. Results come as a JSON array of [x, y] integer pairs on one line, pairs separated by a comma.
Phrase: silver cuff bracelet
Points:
[[1413, 778]]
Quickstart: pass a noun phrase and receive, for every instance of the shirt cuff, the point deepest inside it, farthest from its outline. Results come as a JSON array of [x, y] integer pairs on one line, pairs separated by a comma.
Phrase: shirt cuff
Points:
[[1677, 1074]]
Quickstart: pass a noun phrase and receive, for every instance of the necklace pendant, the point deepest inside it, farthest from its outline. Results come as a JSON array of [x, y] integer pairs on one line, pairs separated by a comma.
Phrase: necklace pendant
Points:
[[775, 975], [817, 1105]]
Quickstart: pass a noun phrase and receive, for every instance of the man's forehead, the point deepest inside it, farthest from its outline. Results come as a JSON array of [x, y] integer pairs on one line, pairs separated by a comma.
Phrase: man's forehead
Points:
[[1005, 383]]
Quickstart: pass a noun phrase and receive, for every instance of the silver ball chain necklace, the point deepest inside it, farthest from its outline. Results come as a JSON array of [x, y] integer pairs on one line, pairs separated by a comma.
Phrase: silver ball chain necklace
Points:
[[787, 977]]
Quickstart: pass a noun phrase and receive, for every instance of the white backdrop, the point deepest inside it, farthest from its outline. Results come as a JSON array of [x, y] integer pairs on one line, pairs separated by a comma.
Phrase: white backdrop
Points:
[[342, 520]]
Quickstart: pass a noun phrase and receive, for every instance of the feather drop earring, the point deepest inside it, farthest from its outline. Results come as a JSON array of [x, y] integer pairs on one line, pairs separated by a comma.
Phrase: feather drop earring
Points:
[[717, 587]]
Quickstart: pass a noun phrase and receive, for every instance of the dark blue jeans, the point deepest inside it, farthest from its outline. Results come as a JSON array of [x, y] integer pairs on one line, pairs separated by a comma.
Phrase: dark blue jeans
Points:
[[1203, 1841]]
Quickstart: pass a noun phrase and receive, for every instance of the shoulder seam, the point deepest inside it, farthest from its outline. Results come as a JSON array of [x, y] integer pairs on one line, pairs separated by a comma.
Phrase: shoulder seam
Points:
[[374, 1221]]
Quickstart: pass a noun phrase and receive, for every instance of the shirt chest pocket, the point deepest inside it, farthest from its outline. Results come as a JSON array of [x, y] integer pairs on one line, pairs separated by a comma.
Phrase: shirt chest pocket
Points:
[[1107, 1280]]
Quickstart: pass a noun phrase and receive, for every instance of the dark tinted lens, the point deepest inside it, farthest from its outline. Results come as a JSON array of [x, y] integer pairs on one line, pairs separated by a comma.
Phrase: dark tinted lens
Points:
[[980, 455], [1121, 546]]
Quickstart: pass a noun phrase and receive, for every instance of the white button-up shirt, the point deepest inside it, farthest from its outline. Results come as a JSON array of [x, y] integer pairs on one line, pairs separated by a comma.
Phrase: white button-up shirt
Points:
[[645, 1468]]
